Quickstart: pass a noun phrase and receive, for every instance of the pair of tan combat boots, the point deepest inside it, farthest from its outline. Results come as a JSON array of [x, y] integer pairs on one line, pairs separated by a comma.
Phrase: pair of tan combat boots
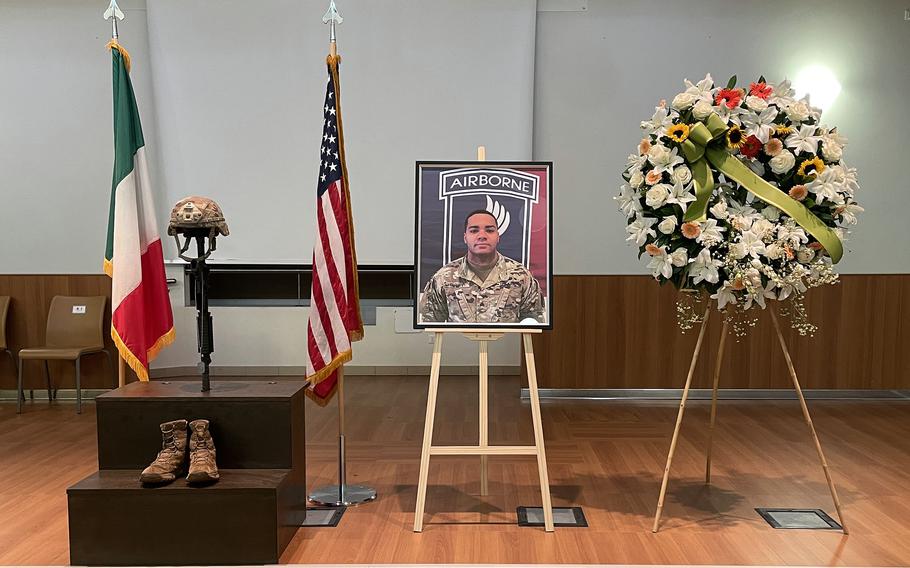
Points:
[[171, 460]]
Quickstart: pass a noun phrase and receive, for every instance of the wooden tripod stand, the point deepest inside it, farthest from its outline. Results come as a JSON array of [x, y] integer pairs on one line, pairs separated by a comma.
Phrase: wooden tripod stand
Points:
[[682, 408], [483, 449]]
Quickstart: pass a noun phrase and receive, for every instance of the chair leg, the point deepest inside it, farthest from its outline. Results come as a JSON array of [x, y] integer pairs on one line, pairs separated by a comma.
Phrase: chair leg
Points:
[[12, 359], [19, 396], [47, 374], [110, 363], [78, 387]]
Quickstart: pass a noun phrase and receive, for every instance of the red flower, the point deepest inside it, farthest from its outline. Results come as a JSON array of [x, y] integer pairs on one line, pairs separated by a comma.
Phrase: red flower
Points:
[[729, 97], [760, 90], [751, 147]]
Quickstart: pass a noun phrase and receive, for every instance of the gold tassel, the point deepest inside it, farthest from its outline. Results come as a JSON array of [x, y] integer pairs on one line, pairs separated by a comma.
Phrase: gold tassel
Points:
[[113, 44]]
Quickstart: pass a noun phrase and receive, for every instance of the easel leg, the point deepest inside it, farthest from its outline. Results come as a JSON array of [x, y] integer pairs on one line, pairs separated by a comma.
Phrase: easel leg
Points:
[[428, 433], [483, 420], [538, 433], [121, 371], [720, 358], [802, 403], [679, 417]]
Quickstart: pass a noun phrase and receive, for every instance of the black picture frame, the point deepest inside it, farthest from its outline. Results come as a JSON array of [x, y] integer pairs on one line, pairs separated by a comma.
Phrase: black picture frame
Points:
[[421, 270]]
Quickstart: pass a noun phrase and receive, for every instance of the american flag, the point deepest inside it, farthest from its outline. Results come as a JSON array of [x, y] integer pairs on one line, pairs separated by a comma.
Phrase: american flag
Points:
[[334, 299]]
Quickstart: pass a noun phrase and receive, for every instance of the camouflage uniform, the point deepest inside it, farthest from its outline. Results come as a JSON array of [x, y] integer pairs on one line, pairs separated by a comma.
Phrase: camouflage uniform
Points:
[[456, 294]]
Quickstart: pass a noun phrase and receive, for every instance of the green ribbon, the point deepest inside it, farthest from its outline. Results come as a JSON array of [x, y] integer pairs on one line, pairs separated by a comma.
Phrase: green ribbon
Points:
[[700, 150]]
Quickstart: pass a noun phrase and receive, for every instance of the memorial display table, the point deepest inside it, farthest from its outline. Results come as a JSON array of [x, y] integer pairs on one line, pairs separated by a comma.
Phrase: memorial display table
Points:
[[248, 517]]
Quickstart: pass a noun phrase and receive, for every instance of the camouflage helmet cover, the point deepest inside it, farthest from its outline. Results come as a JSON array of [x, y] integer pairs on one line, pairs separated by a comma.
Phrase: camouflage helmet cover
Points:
[[197, 213]]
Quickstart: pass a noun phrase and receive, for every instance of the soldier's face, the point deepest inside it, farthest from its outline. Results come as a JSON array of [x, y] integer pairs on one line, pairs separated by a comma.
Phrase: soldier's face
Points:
[[482, 234]]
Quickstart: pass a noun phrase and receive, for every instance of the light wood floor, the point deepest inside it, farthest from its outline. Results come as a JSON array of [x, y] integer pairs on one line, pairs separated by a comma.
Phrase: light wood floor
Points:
[[604, 456]]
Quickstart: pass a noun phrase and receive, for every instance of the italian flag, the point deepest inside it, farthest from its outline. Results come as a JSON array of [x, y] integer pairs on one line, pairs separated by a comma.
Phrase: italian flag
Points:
[[142, 322]]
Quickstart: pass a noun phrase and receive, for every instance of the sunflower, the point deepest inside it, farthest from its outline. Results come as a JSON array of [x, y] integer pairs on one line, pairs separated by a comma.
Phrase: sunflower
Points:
[[783, 130], [678, 132], [811, 168], [735, 138]]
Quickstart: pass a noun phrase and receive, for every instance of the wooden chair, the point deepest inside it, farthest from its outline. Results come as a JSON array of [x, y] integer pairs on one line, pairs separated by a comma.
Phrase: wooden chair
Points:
[[75, 328], [4, 345]]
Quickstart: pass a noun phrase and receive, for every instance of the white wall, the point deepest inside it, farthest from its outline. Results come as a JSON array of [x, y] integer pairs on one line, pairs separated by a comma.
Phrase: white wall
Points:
[[56, 133], [600, 71], [240, 88]]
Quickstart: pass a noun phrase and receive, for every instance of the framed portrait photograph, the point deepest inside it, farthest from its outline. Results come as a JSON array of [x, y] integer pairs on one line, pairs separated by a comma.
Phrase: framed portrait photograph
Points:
[[483, 245]]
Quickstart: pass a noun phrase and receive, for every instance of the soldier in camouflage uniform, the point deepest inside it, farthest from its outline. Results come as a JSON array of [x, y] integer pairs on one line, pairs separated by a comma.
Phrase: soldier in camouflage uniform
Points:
[[483, 286]]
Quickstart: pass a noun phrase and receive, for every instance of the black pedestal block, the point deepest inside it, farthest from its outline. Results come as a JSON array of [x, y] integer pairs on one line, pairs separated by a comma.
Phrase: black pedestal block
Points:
[[255, 424], [248, 517]]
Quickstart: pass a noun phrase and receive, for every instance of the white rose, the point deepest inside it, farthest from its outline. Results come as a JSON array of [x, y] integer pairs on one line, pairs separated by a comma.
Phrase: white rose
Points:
[[757, 104], [771, 213], [679, 258], [667, 226], [773, 251], [659, 154], [682, 101], [702, 109], [636, 179], [682, 174], [798, 111], [737, 250], [719, 209], [782, 162], [657, 195], [805, 255], [831, 151]]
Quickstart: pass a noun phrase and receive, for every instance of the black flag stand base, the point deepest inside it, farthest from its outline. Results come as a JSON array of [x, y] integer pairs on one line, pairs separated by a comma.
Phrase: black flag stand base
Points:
[[342, 494]]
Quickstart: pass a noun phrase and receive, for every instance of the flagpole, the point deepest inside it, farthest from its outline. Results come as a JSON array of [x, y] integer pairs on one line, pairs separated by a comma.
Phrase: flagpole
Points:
[[341, 494], [113, 14]]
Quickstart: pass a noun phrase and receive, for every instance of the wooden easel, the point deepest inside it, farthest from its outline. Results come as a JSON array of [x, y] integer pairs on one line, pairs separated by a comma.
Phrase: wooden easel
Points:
[[682, 407], [483, 449]]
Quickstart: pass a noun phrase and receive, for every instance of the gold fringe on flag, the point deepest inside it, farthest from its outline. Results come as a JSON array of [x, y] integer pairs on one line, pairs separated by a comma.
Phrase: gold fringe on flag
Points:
[[113, 44]]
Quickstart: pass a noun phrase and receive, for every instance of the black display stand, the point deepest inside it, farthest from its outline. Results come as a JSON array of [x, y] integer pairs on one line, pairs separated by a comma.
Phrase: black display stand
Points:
[[248, 517]]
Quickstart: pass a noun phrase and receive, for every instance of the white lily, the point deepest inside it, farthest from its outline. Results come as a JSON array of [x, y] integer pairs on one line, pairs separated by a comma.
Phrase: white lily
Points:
[[724, 295], [848, 212], [681, 195], [758, 295], [662, 118], [661, 264], [635, 162], [730, 115], [792, 235], [761, 125], [710, 233], [704, 267], [791, 285], [750, 244], [826, 186], [846, 177], [781, 94], [804, 140], [640, 229], [702, 89], [628, 200]]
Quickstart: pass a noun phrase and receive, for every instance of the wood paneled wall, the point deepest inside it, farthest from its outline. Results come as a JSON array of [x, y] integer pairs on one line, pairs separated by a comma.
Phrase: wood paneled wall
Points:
[[609, 332], [27, 322], [621, 332]]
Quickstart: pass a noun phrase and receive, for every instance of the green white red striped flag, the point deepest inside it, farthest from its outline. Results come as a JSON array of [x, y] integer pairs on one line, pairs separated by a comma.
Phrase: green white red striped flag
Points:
[[142, 322]]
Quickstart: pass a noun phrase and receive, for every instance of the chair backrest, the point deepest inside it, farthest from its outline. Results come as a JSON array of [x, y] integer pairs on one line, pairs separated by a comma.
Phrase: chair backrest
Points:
[[4, 309], [67, 326]]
